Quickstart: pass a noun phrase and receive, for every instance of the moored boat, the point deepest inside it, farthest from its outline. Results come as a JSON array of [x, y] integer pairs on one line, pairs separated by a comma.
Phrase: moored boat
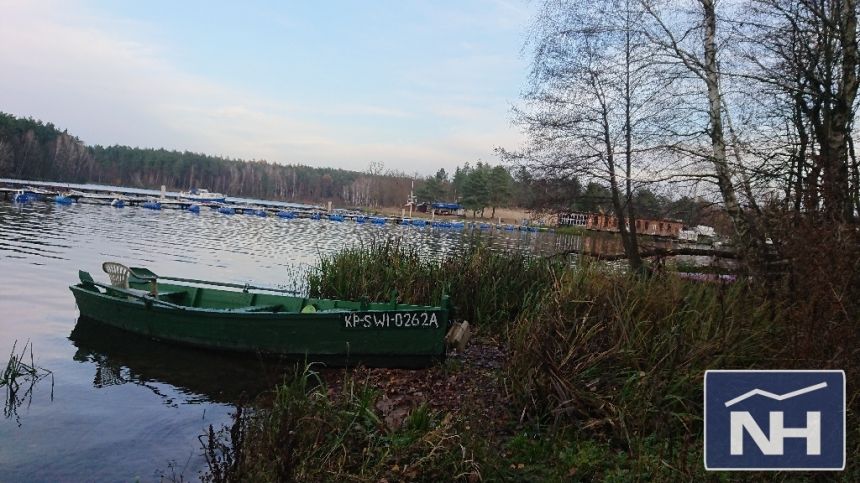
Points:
[[21, 196], [233, 317], [64, 200], [203, 196]]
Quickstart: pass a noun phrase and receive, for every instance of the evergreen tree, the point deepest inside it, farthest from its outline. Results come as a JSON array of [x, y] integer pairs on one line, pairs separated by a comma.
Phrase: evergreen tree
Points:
[[476, 190], [431, 191], [459, 180], [499, 181], [596, 198]]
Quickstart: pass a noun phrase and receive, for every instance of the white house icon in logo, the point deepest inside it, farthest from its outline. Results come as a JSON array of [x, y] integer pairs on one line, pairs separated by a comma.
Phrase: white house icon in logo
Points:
[[773, 445]]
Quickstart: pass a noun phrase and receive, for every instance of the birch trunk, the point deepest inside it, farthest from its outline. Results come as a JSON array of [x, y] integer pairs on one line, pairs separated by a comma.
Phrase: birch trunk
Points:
[[636, 259]]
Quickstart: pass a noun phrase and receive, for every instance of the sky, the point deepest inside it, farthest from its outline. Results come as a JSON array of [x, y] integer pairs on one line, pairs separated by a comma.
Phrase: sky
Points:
[[415, 85]]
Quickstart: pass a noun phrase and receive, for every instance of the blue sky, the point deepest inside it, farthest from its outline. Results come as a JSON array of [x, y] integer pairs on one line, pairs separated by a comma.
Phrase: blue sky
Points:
[[416, 85]]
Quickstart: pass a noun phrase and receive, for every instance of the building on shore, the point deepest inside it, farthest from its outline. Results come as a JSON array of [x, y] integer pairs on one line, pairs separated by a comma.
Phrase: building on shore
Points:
[[442, 208], [608, 222]]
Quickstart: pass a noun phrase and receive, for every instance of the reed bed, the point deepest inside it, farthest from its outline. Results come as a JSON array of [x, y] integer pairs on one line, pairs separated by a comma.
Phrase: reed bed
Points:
[[487, 287], [310, 433], [602, 380]]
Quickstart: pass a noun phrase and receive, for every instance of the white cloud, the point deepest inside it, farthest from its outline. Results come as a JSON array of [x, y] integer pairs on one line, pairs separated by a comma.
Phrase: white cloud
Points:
[[74, 69]]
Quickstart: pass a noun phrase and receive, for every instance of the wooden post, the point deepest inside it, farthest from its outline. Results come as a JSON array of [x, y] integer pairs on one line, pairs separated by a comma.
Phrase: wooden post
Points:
[[458, 336]]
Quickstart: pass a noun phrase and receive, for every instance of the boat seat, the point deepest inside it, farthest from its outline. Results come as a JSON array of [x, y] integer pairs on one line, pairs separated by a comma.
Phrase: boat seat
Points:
[[259, 308], [117, 273], [87, 281]]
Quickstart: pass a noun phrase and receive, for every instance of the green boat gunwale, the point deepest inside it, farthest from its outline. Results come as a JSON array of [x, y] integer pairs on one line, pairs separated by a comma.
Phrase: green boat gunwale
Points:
[[387, 334], [151, 303]]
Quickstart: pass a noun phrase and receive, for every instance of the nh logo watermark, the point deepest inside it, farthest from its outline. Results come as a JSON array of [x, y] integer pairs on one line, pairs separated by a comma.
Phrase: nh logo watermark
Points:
[[775, 420]]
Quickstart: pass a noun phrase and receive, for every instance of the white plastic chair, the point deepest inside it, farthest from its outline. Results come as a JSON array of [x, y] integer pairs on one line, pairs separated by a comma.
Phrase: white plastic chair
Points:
[[118, 274]]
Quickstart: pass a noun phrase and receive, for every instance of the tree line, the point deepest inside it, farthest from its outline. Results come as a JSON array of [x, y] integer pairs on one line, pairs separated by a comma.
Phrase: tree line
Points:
[[32, 149], [476, 188], [751, 101]]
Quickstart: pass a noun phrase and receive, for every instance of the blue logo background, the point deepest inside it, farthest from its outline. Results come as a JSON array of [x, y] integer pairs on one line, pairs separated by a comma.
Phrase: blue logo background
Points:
[[724, 386]]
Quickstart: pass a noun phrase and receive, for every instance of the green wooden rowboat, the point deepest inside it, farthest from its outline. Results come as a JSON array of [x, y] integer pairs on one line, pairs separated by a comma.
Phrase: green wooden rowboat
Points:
[[235, 317]]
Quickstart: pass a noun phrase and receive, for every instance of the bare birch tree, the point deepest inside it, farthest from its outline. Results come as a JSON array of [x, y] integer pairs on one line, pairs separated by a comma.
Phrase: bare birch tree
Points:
[[594, 100], [796, 63], [689, 34]]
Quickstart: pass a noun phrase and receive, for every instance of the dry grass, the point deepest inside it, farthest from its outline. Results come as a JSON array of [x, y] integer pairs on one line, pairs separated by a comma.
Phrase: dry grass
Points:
[[508, 215], [603, 379], [309, 433]]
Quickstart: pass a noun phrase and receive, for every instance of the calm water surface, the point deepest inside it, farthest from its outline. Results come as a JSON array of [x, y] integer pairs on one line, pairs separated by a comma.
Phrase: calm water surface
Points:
[[123, 407]]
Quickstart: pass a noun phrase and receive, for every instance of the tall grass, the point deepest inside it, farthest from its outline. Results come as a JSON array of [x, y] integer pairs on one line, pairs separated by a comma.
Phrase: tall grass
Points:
[[593, 350], [622, 358], [486, 287], [308, 433], [604, 373]]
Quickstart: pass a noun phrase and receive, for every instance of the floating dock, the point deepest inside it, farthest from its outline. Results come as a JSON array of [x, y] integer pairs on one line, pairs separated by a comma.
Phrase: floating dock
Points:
[[155, 200]]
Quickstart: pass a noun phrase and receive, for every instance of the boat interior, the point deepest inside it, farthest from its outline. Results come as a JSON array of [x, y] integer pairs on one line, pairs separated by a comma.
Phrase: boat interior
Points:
[[142, 284]]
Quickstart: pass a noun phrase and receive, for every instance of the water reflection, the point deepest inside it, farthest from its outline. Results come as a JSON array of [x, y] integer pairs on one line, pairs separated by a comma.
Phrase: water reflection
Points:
[[19, 378], [199, 376]]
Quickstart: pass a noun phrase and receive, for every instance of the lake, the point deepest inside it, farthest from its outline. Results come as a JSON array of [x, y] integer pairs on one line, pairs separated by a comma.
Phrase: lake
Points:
[[123, 407]]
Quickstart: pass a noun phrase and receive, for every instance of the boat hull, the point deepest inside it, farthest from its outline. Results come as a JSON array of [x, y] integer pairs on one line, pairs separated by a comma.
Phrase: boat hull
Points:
[[389, 338]]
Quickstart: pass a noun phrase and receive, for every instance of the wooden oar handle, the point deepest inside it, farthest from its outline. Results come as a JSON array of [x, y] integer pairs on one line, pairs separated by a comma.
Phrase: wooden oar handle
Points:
[[144, 297], [243, 286]]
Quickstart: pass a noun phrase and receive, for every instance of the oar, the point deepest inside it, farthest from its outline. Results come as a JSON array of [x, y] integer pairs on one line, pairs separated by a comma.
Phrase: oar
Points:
[[231, 285], [144, 297]]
